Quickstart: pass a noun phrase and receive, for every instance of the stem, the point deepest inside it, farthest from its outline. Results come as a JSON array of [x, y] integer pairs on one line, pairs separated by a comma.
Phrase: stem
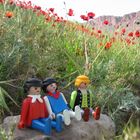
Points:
[[86, 59], [97, 56]]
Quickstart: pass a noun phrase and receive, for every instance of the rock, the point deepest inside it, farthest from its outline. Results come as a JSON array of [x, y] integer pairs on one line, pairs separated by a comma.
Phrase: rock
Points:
[[103, 128]]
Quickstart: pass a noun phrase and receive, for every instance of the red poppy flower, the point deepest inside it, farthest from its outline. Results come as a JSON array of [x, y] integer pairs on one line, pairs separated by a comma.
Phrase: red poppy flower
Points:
[[128, 41], [100, 44], [37, 7], [48, 18], [11, 2], [116, 33], [84, 17], [90, 15], [1, 1], [9, 14], [102, 36], [43, 12], [55, 15], [106, 22], [113, 39], [70, 13], [123, 31], [53, 25], [130, 34], [99, 31], [58, 19], [51, 9], [108, 45], [137, 33]]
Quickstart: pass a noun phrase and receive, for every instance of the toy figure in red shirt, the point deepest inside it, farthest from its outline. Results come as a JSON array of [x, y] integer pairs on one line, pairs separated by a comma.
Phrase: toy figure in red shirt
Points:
[[34, 112]]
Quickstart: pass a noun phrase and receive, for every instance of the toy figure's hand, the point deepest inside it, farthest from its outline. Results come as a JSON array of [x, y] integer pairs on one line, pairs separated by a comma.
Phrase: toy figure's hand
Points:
[[21, 125], [52, 116]]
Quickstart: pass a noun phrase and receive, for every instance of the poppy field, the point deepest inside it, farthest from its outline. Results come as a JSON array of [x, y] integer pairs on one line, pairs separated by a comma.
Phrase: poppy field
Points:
[[37, 42]]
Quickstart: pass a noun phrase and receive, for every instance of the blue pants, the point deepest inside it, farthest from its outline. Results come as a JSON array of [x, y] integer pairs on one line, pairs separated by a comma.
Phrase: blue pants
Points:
[[46, 124]]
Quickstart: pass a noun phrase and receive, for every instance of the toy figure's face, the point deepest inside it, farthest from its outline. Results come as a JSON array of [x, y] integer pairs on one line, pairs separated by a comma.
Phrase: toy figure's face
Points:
[[34, 90], [83, 85], [52, 87]]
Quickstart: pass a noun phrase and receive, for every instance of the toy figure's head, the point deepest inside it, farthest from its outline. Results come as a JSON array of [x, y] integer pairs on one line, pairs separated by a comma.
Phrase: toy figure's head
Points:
[[82, 81], [49, 85], [33, 86]]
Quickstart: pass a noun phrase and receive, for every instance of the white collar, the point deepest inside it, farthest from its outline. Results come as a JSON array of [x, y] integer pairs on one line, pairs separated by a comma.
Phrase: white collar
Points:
[[36, 97], [84, 91]]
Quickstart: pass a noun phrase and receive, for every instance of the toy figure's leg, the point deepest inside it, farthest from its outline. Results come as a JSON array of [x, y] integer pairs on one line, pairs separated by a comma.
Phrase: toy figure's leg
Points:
[[66, 115], [86, 114], [78, 113], [44, 127], [72, 114], [53, 123], [58, 123], [96, 114]]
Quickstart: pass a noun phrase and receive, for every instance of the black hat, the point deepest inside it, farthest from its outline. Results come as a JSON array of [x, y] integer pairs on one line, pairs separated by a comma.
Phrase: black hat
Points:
[[47, 82], [32, 82]]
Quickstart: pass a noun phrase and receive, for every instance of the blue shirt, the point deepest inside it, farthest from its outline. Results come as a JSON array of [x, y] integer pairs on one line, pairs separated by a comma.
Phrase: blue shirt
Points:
[[58, 105]]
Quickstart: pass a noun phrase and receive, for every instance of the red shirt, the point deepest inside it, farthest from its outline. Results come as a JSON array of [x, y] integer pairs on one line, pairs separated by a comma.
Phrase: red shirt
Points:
[[31, 111]]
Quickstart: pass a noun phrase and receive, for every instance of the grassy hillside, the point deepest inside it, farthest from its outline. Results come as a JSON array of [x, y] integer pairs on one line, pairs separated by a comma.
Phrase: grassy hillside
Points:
[[40, 43]]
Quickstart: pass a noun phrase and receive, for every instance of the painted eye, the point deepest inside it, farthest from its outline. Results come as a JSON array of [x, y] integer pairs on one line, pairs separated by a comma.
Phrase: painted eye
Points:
[[35, 88]]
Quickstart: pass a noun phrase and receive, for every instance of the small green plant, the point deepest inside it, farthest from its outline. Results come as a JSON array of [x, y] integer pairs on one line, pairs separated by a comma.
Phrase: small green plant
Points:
[[131, 132], [7, 135], [3, 135]]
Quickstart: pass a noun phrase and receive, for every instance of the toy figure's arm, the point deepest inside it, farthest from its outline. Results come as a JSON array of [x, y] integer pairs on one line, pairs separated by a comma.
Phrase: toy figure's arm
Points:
[[24, 113], [64, 98], [48, 106], [73, 98]]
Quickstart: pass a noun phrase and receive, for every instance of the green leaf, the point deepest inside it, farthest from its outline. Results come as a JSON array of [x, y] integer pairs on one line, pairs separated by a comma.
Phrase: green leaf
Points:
[[2, 100], [6, 94]]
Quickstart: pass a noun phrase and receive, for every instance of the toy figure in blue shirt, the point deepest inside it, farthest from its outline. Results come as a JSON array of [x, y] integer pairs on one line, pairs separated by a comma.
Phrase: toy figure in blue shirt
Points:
[[58, 103]]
